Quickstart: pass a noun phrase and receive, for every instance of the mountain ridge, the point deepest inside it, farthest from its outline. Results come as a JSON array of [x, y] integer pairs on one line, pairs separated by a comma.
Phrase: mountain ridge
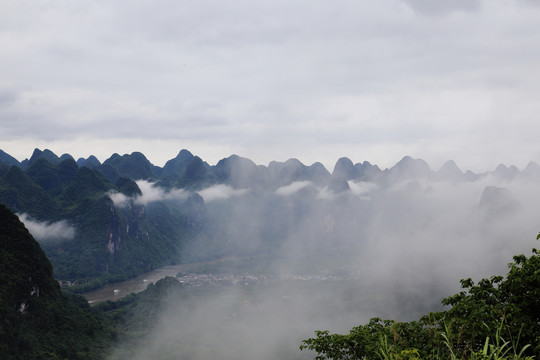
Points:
[[119, 230], [137, 166]]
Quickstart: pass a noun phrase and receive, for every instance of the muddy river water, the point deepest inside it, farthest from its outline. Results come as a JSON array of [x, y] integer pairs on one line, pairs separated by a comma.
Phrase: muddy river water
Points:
[[191, 275], [119, 290]]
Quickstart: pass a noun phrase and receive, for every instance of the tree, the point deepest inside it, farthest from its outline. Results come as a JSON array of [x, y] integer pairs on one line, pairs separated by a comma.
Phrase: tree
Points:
[[508, 307]]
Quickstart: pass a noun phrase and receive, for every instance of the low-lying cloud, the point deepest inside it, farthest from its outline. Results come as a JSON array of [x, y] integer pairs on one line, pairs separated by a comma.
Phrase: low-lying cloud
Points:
[[387, 250], [292, 188], [120, 200], [150, 193], [361, 188], [220, 192], [48, 231]]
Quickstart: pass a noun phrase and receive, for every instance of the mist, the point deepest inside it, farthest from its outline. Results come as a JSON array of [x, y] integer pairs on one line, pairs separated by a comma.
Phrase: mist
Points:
[[220, 192], [329, 260], [150, 192], [48, 231], [292, 188]]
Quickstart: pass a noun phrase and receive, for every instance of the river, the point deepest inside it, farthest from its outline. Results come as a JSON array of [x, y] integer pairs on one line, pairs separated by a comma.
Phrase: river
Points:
[[119, 290], [192, 275]]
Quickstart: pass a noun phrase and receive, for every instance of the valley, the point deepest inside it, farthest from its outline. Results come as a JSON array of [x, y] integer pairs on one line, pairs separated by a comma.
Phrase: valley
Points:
[[186, 257]]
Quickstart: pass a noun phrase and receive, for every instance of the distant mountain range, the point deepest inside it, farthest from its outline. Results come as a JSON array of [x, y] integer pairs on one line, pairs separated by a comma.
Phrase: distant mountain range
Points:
[[95, 225], [188, 170]]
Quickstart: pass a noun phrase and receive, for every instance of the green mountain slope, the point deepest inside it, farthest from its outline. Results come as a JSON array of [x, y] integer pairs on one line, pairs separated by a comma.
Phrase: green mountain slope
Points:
[[21, 194], [111, 241], [134, 166], [38, 321]]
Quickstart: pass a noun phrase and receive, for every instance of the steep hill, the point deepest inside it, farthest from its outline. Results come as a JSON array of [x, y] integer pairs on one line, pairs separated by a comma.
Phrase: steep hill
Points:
[[38, 320], [115, 230], [110, 241]]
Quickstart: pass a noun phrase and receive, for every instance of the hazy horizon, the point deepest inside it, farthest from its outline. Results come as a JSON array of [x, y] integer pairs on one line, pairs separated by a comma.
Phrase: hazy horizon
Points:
[[395, 252], [329, 167], [269, 81], [311, 80]]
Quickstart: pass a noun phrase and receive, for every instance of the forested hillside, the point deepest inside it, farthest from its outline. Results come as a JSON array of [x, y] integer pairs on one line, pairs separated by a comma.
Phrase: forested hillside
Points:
[[95, 241], [38, 320], [105, 222], [497, 316]]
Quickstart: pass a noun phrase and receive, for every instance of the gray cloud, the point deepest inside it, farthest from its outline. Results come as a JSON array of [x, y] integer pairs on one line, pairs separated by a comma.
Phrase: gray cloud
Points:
[[316, 80], [443, 7], [7, 98]]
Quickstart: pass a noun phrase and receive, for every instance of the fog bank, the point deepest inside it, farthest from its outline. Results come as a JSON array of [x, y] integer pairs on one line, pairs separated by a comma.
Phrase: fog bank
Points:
[[48, 231], [390, 250]]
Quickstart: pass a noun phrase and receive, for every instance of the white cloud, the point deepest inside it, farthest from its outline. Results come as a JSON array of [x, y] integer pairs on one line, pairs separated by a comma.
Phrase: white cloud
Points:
[[119, 199], [151, 193], [220, 192], [361, 188], [46, 231], [292, 188]]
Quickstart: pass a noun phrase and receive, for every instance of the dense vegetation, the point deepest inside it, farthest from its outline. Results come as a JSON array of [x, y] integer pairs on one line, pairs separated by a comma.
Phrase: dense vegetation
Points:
[[497, 318], [38, 321], [132, 318], [115, 240], [110, 242]]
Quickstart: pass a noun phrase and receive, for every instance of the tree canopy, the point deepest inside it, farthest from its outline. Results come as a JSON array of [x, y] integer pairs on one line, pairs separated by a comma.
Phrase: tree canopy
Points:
[[496, 314]]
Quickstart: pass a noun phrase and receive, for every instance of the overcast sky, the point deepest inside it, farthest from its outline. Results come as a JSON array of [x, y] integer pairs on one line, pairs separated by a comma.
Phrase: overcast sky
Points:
[[271, 80]]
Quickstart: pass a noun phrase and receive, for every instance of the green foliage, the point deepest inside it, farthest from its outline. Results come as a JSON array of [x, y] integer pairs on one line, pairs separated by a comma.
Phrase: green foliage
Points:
[[362, 341], [497, 318], [371, 340], [196, 175], [128, 187], [46, 154], [87, 184], [8, 160], [111, 243], [21, 194], [52, 178], [513, 301], [134, 166], [132, 318], [38, 320]]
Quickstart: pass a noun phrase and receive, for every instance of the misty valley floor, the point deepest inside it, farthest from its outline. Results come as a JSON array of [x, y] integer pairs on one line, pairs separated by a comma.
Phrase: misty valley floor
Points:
[[246, 316]]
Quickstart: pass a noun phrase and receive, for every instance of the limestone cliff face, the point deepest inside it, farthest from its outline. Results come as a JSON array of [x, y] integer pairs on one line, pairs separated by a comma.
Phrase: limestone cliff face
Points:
[[128, 240], [127, 223], [136, 238], [122, 241], [113, 239]]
